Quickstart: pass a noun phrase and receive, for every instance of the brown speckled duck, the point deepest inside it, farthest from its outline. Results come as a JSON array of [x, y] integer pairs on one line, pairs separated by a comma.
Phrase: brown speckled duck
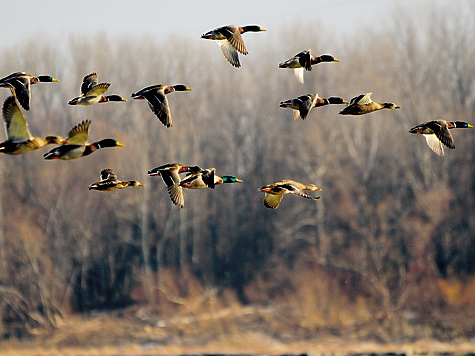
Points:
[[109, 182], [276, 191], [363, 104]]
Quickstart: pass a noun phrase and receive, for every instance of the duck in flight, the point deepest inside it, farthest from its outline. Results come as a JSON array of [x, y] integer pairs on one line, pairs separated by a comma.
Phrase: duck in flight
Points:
[[305, 60], [363, 104], [303, 104], [437, 133], [275, 192], [76, 145], [230, 40], [157, 100], [20, 83], [92, 92], [109, 182], [170, 174], [19, 139]]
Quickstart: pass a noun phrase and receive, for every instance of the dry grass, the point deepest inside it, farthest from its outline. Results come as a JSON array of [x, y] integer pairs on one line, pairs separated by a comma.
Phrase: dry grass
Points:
[[233, 329], [314, 315]]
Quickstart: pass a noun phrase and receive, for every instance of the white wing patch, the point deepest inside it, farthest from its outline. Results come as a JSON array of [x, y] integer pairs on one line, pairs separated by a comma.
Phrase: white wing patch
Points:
[[229, 52], [435, 144], [299, 74], [365, 99]]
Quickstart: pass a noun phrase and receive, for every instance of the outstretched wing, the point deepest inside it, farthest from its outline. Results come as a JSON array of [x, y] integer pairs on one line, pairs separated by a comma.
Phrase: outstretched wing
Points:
[[272, 201], [87, 83], [229, 52], [171, 179], [16, 127], [78, 134], [158, 103]]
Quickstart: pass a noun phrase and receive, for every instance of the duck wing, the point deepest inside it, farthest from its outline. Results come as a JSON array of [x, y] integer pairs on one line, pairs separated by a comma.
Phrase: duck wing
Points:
[[78, 134], [108, 175], [97, 89], [305, 59], [229, 52], [291, 188], [272, 201], [233, 36], [434, 143], [208, 176], [158, 103], [88, 82], [21, 88], [16, 127], [362, 99], [171, 179], [305, 105], [442, 132]]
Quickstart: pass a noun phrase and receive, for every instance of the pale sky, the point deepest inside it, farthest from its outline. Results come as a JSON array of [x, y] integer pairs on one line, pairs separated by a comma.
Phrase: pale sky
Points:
[[57, 19]]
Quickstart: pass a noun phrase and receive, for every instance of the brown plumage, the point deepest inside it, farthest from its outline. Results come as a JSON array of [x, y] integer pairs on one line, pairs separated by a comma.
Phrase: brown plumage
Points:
[[276, 191], [363, 104], [109, 182]]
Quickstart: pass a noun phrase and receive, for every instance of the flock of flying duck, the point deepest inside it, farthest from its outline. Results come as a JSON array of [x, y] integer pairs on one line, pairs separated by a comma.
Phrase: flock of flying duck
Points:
[[19, 139]]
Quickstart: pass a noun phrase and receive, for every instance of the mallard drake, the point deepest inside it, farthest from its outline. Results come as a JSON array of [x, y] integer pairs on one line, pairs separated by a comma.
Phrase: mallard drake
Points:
[[303, 104], [92, 92], [109, 182], [305, 60], [230, 40], [19, 139], [437, 133], [77, 145], [157, 101], [362, 104], [170, 174], [206, 178], [275, 191], [20, 83]]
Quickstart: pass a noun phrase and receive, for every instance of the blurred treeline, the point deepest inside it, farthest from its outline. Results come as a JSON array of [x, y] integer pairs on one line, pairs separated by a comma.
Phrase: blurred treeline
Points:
[[392, 235]]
